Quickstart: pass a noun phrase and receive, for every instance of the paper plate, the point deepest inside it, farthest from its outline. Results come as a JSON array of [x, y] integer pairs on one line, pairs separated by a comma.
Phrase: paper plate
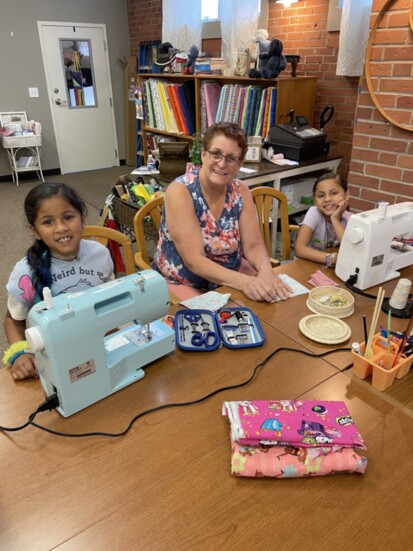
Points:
[[324, 329]]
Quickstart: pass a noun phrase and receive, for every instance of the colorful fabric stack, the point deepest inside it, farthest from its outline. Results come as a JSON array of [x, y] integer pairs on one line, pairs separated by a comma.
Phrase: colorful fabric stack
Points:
[[288, 438]]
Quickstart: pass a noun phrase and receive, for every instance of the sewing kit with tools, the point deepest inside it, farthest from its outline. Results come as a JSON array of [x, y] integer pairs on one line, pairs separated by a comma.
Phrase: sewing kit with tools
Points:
[[204, 330]]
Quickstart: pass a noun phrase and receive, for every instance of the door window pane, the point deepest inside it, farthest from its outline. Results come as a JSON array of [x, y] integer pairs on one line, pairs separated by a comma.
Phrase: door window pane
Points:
[[78, 68]]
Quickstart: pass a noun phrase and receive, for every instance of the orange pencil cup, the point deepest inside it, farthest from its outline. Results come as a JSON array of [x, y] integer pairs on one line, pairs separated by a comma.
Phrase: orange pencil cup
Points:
[[361, 366], [383, 378], [384, 355], [404, 366]]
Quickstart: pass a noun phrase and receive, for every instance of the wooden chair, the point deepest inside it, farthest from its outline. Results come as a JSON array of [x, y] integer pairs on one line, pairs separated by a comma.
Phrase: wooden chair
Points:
[[271, 203], [153, 209], [102, 235]]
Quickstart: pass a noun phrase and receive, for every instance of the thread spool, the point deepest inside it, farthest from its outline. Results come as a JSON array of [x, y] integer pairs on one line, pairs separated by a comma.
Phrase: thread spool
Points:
[[400, 294]]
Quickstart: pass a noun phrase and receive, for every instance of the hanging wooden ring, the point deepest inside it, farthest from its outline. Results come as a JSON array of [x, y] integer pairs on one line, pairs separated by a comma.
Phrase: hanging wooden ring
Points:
[[368, 68]]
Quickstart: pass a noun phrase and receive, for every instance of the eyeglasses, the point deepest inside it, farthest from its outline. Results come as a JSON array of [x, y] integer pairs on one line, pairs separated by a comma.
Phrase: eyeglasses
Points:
[[217, 156]]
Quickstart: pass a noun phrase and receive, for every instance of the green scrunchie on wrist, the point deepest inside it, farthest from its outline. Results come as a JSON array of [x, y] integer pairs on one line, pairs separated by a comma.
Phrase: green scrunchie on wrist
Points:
[[14, 351]]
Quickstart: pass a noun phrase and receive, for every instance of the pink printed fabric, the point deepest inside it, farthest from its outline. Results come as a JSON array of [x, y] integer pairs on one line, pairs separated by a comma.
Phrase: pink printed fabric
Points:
[[318, 279], [289, 438], [293, 462]]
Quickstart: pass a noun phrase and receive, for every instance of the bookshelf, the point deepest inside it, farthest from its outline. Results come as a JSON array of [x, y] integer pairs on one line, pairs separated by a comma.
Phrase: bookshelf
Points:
[[297, 93]]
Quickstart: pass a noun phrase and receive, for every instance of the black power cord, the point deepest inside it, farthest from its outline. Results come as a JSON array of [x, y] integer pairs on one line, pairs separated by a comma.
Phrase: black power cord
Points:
[[52, 401]]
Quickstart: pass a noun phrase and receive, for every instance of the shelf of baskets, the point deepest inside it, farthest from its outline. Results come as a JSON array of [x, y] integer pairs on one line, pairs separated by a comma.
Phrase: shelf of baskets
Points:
[[24, 153]]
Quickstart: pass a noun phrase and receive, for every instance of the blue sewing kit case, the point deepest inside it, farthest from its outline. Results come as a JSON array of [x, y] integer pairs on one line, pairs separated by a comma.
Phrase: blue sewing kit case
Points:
[[204, 330]]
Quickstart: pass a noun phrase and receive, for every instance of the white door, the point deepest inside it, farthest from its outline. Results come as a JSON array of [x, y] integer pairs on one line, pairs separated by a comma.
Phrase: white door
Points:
[[77, 72]]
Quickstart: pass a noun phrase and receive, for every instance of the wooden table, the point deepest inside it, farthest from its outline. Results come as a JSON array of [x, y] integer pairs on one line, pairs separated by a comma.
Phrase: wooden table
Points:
[[166, 485], [53, 489], [285, 315]]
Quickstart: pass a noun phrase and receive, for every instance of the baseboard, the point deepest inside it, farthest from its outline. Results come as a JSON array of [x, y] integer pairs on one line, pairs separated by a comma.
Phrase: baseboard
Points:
[[49, 172], [29, 175]]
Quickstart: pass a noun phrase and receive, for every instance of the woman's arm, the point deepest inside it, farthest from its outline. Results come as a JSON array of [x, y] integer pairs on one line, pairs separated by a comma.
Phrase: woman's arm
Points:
[[184, 228], [255, 251]]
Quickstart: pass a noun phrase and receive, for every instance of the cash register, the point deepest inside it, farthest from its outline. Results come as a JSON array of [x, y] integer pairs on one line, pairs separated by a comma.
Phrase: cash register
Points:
[[297, 140]]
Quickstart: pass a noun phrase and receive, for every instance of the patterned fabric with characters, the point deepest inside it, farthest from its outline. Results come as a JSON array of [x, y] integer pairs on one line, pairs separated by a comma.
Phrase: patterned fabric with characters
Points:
[[288, 438], [221, 237]]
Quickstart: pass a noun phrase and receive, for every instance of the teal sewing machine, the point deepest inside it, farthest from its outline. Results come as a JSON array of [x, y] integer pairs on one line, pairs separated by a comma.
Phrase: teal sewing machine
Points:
[[85, 352]]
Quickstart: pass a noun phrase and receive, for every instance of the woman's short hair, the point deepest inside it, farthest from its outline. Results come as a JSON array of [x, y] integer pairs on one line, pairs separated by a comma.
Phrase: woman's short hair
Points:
[[230, 130]]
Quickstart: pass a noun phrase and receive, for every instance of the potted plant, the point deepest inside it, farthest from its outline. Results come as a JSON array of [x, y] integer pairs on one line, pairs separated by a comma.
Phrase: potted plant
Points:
[[196, 152]]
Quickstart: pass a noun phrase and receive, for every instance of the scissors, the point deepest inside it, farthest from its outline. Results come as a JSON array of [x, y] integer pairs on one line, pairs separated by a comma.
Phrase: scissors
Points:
[[208, 339], [192, 317]]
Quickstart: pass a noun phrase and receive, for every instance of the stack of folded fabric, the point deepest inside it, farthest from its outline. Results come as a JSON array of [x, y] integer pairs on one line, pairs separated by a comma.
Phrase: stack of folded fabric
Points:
[[319, 279], [288, 438]]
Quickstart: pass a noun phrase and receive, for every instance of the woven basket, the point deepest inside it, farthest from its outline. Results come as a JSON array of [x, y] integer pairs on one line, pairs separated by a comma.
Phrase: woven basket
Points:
[[331, 301], [21, 141], [124, 213]]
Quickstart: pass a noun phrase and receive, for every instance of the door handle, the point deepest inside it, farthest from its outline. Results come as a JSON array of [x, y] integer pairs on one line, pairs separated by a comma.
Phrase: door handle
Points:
[[59, 101]]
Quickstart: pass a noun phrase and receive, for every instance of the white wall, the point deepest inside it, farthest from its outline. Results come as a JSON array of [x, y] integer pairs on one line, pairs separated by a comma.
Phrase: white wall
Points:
[[21, 64]]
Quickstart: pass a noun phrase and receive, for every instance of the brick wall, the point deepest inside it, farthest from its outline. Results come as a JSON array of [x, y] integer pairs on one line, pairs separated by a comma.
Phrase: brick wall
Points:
[[377, 155], [382, 156], [303, 30], [145, 22]]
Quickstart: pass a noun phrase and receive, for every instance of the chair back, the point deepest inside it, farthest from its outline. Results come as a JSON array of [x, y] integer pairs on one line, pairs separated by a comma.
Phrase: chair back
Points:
[[272, 204], [153, 209], [102, 235]]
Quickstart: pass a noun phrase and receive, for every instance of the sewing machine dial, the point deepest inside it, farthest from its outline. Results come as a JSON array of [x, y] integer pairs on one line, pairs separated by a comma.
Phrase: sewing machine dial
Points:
[[35, 339], [356, 235]]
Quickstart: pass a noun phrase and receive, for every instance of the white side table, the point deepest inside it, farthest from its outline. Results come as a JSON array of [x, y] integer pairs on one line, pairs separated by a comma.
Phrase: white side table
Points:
[[16, 147]]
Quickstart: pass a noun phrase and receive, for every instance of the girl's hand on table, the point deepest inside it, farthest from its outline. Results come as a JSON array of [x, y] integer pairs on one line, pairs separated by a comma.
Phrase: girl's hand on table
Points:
[[24, 367]]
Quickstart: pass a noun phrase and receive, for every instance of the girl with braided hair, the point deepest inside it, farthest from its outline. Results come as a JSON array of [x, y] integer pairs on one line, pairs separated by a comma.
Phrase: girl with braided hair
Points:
[[58, 259]]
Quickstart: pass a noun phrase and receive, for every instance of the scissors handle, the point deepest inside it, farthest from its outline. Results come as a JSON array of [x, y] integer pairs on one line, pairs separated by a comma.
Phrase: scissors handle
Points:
[[208, 339], [192, 318]]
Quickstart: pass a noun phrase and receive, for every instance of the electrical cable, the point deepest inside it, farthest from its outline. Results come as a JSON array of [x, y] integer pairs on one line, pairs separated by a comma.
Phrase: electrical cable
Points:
[[350, 285], [358, 291], [52, 401]]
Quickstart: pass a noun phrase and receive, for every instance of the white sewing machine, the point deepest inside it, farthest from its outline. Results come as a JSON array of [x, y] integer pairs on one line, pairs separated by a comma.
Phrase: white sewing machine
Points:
[[76, 357], [372, 247]]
